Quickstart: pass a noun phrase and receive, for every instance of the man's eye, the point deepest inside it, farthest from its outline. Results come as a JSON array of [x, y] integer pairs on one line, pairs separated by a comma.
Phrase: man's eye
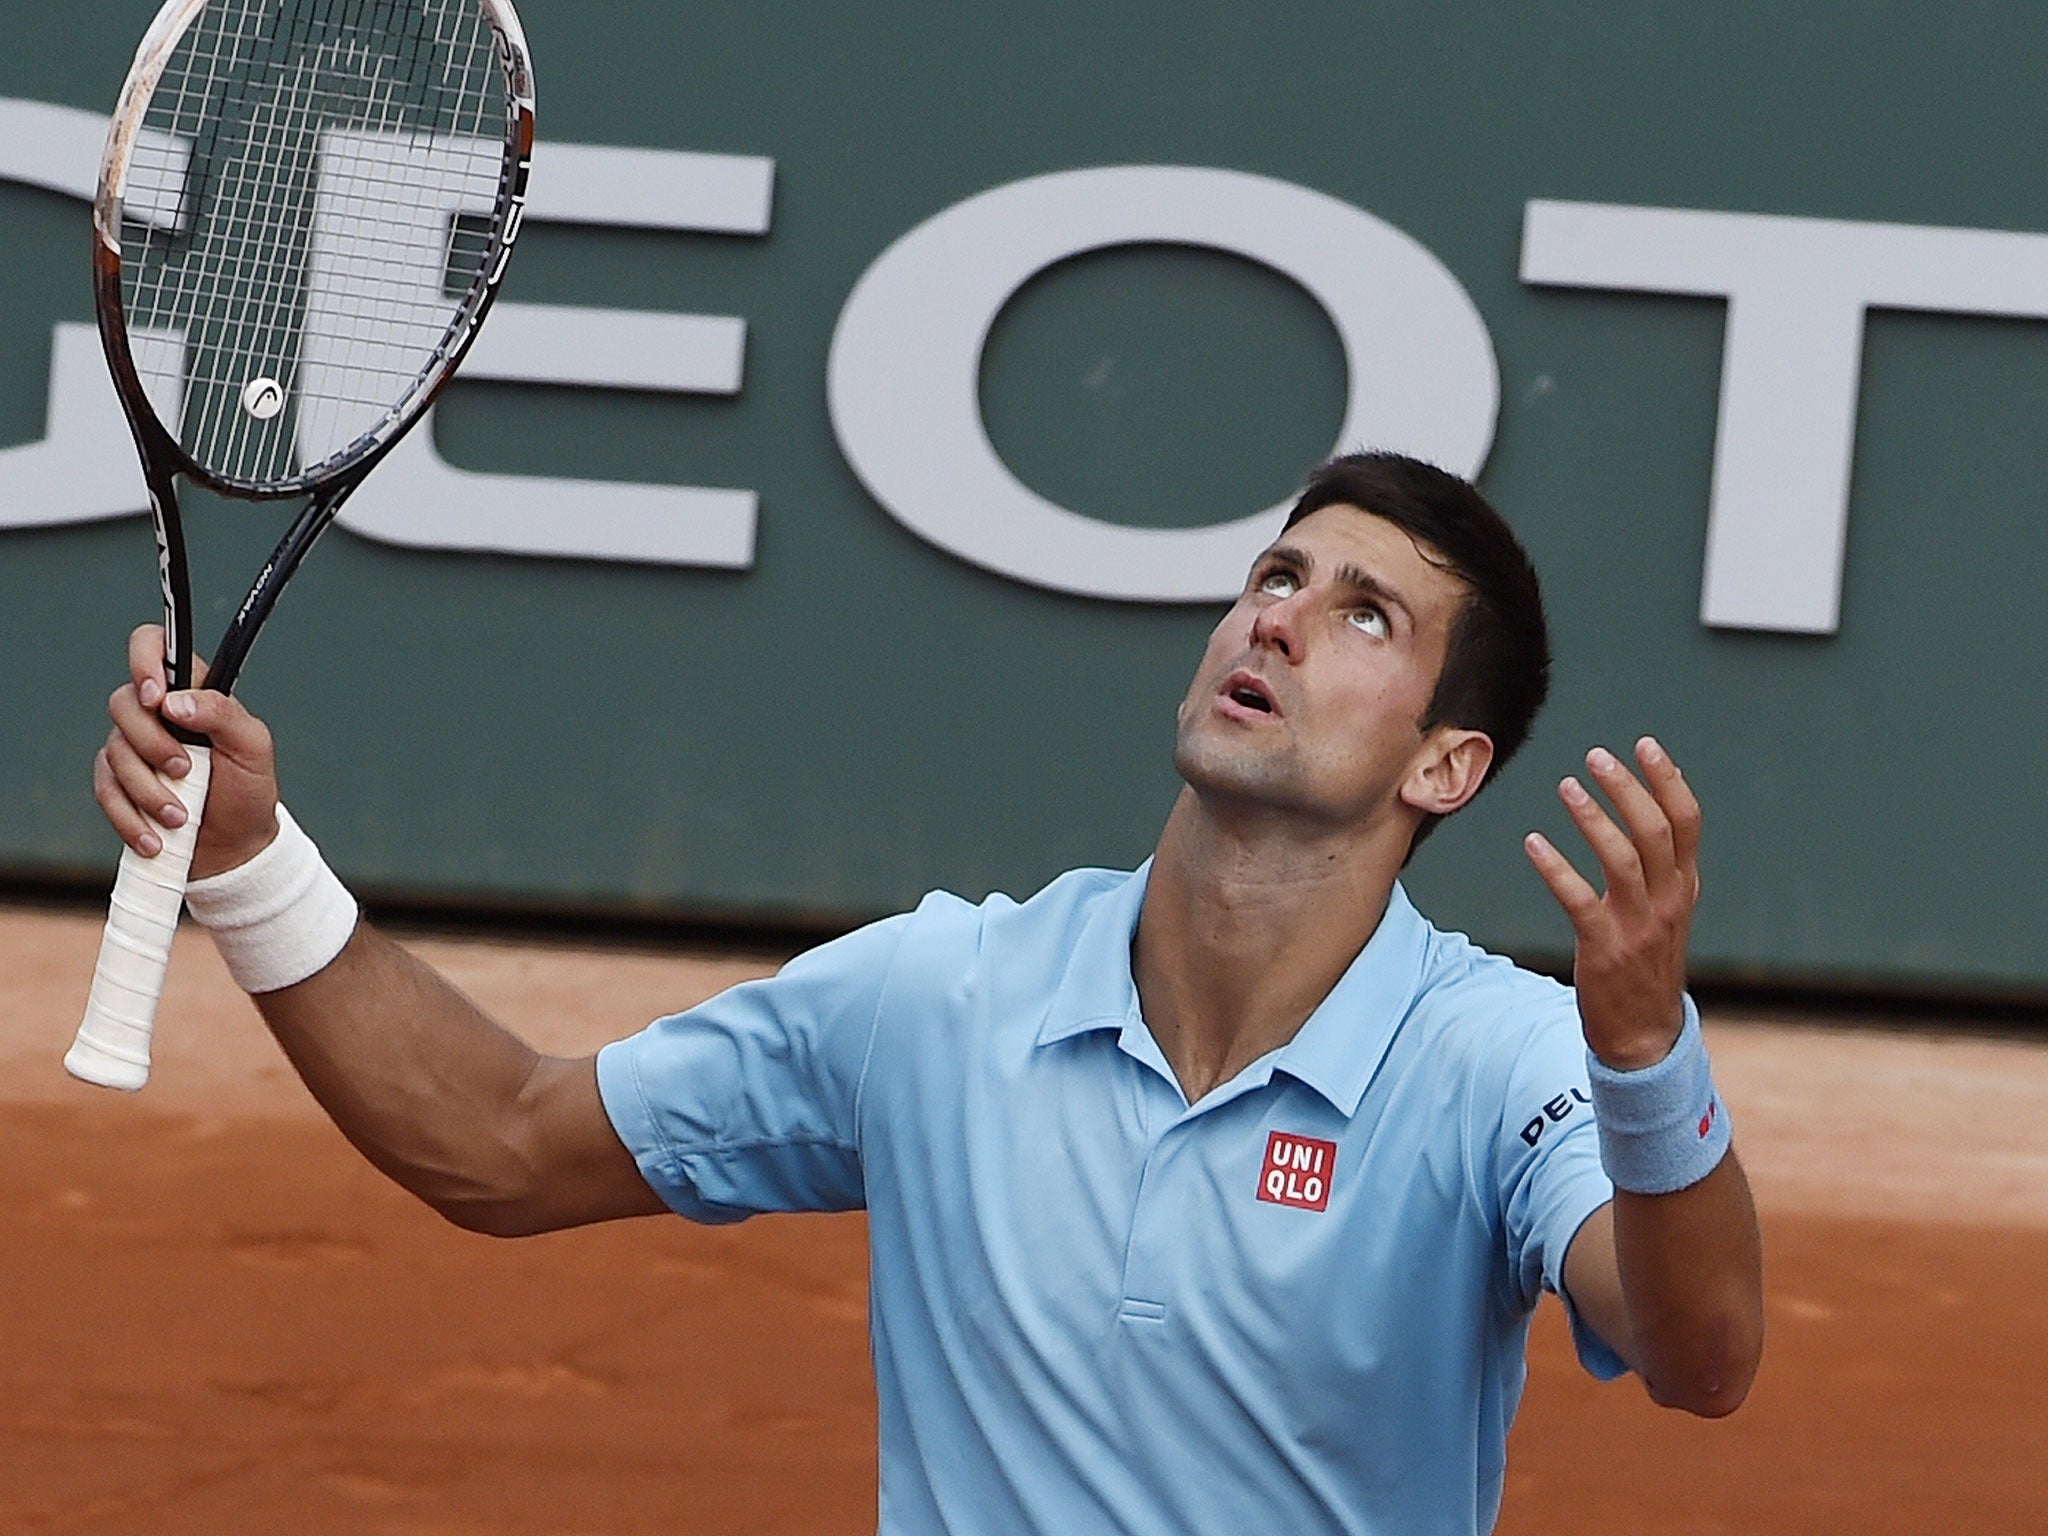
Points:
[[1372, 621], [1278, 584]]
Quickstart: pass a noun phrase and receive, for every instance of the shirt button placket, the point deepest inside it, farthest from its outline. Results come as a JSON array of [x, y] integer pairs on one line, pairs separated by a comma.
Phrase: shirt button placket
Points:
[[1146, 1280]]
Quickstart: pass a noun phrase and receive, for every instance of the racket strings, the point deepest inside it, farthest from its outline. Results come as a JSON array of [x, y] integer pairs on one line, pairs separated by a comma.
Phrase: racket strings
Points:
[[314, 202], [263, 276], [209, 86], [279, 279]]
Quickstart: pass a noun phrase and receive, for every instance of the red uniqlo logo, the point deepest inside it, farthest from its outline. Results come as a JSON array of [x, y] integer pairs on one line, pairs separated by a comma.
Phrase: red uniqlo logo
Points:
[[1297, 1171]]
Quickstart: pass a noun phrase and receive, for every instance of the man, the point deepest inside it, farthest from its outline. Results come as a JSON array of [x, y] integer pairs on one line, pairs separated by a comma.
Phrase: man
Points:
[[1214, 1197]]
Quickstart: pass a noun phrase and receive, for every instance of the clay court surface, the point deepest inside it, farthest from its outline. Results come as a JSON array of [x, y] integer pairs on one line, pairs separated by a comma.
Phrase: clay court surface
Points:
[[215, 1319]]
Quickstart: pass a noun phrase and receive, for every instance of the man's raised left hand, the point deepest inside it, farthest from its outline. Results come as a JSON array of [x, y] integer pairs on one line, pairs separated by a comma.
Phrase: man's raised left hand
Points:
[[1629, 964]]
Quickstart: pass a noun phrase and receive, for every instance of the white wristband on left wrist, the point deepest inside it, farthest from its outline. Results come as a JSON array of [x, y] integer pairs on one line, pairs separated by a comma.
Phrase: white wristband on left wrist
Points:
[[1663, 1128]]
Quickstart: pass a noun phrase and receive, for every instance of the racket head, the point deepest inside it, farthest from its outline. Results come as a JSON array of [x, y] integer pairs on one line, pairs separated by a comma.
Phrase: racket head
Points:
[[304, 211]]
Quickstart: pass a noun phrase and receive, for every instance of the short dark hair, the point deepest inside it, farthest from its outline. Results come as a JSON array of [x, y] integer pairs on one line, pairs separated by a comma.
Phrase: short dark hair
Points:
[[1496, 672]]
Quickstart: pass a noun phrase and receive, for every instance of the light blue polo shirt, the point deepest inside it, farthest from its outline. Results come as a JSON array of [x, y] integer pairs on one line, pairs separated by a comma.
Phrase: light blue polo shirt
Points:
[[1299, 1305]]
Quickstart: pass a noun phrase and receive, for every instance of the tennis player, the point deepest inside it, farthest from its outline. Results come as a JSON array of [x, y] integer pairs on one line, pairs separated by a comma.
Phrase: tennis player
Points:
[[1213, 1197]]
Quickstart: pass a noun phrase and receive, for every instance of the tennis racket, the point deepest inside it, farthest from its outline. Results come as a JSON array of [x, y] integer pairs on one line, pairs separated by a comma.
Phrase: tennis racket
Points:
[[304, 211]]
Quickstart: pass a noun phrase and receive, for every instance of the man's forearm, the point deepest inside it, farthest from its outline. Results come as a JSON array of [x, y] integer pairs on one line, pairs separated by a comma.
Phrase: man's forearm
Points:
[[1690, 1265], [415, 1075]]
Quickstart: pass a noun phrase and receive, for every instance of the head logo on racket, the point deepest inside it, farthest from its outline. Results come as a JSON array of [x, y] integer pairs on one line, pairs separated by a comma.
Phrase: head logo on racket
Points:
[[263, 398]]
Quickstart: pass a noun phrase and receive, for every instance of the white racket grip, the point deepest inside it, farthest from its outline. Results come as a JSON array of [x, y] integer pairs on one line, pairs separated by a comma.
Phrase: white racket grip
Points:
[[112, 1048]]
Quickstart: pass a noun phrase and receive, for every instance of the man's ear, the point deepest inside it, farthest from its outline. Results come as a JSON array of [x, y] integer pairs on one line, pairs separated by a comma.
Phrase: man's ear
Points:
[[1448, 770]]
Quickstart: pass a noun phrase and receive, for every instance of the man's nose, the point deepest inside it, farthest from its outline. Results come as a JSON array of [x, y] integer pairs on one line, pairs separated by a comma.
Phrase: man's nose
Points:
[[1279, 626]]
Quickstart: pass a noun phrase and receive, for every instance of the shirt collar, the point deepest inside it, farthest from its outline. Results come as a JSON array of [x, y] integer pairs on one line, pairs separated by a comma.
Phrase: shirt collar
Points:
[[1341, 1046], [1097, 991], [1335, 1052]]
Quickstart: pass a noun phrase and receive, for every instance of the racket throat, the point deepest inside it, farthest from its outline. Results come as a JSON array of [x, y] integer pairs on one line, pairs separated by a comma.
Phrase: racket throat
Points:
[[278, 571]]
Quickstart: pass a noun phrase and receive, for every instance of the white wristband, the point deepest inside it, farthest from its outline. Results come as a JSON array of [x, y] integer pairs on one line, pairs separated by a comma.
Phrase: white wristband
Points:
[[278, 918], [1663, 1128]]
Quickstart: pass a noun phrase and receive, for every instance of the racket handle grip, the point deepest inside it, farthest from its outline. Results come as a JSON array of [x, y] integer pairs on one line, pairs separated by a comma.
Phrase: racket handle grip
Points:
[[112, 1048]]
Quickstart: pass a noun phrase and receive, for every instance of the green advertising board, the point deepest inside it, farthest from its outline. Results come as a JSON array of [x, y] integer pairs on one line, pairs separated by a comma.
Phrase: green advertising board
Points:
[[744, 578]]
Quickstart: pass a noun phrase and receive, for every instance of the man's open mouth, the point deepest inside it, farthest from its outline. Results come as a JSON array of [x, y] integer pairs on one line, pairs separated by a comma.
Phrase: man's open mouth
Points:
[[1249, 693]]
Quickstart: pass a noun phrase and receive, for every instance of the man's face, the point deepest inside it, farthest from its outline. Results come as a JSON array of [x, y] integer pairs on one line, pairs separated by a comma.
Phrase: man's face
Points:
[[1310, 695]]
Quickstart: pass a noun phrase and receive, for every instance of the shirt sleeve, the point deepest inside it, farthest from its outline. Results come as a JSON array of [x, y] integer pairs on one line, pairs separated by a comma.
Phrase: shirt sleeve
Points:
[[1551, 1180], [748, 1102]]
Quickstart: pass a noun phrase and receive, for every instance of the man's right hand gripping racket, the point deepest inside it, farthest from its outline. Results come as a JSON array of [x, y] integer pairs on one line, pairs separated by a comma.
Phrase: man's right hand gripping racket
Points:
[[304, 211]]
